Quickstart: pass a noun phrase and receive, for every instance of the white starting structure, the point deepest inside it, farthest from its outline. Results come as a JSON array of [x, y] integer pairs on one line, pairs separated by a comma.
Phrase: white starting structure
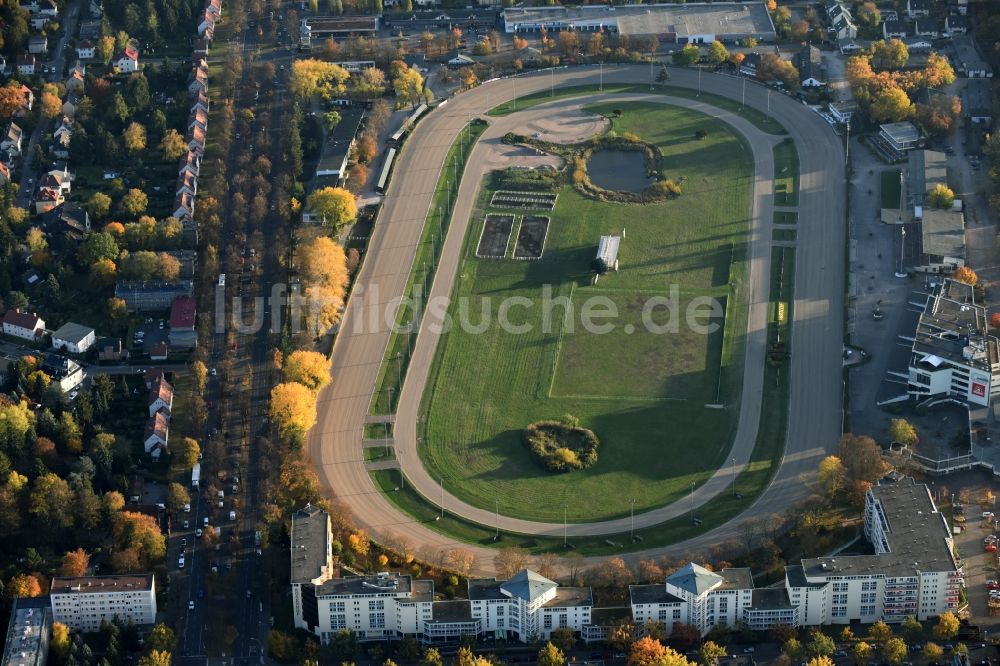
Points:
[[607, 251]]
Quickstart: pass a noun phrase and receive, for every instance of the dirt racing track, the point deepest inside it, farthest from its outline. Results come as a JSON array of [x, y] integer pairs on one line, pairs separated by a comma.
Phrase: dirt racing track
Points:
[[815, 410]]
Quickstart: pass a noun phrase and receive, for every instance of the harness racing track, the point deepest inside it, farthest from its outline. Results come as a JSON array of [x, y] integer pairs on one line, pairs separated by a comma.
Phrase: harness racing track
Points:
[[815, 408]]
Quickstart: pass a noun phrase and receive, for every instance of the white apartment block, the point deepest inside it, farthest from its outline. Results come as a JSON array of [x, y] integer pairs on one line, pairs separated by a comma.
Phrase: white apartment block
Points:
[[702, 598], [913, 572], [388, 606], [529, 606], [83, 603], [953, 353]]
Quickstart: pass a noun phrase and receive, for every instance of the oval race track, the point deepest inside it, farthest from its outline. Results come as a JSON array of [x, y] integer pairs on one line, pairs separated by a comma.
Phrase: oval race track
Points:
[[815, 406]]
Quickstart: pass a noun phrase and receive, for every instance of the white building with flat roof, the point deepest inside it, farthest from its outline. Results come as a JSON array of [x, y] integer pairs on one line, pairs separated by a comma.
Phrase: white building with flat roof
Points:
[[83, 603], [529, 606]]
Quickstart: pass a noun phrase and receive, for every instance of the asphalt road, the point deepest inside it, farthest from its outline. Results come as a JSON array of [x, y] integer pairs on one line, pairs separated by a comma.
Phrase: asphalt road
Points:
[[815, 419]]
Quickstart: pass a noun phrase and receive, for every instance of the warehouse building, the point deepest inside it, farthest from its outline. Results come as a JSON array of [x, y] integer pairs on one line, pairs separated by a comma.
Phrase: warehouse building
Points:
[[692, 23]]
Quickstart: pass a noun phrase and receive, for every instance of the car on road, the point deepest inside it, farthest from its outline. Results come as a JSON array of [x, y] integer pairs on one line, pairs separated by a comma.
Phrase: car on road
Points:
[[190, 605], [187, 508], [180, 562], [187, 525], [197, 532], [204, 521]]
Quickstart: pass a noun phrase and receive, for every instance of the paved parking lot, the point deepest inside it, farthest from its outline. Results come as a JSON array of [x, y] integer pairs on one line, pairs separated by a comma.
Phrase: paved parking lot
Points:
[[152, 334]]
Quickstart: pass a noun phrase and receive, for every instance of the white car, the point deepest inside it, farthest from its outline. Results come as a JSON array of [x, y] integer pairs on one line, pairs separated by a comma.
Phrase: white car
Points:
[[180, 562], [187, 508], [190, 605]]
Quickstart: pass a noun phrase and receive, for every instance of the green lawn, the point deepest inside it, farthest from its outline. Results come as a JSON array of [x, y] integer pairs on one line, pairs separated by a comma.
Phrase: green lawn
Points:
[[644, 394], [786, 174], [761, 120], [892, 188]]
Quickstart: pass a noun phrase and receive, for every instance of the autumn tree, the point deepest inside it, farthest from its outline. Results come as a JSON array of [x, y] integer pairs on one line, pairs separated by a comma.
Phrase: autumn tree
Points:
[[293, 407], [861, 653], [74, 563], [879, 632], [710, 652], [904, 432], [155, 658], [309, 368], [11, 101], [965, 275], [932, 652], [550, 655], [51, 501], [173, 145], [135, 137], [408, 85], [23, 585], [160, 638], [134, 202], [938, 71], [98, 206], [941, 196], [891, 54], [891, 105], [50, 106], [334, 205], [509, 561], [646, 651], [862, 458], [831, 475], [822, 660], [177, 497], [310, 77], [947, 626], [717, 53], [895, 651], [60, 642]]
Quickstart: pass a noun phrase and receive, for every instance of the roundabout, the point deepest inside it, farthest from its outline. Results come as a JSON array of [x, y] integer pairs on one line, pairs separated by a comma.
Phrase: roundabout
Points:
[[814, 422]]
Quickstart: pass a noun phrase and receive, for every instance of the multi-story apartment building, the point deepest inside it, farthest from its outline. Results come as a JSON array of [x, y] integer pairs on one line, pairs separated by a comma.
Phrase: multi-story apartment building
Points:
[[913, 570], [529, 606], [387, 606], [954, 354], [83, 603], [28, 634]]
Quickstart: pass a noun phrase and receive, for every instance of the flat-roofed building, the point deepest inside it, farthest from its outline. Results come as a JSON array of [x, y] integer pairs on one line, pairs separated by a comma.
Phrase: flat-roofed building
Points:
[[83, 603], [977, 101], [694, 23], [969, 62], [896, 139], [316, 29], [74, 338], [337, 148], [28, 633]]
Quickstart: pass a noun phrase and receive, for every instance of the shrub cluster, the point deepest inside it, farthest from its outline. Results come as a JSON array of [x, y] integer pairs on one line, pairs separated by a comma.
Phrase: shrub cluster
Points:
[[562, 446]]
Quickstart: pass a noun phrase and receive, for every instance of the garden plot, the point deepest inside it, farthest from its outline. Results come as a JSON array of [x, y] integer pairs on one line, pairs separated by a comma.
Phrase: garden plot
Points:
[[531, 237], [528, 200], [495, 237]]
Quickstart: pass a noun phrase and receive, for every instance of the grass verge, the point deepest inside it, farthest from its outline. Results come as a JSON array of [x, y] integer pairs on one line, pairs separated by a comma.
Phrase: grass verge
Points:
[[397, 357], [786, 174]]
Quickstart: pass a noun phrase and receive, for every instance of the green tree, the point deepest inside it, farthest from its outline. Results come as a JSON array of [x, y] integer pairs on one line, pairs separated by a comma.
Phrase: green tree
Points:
[[932, 652], [792, 648], [177, 497], [431, 658], [891, 105], [172, 145], [563, 638], [98, 206], [911, 628], [717, 53], [98, 246], [891, 54], [335, 205], [820, 645], [161, 638], [879, 632], [687, 56], [710, 652], [135, 202], [861, 653]]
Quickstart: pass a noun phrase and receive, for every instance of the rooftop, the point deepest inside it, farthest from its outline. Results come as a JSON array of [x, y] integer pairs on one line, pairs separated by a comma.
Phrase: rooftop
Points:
[[952, 327], [182, 312], [310, 538], [977, 97], [725, 18], [387, 583], [694, 579], [27, 633], [926, 168], [904, 132], [528, 585], [736, 579], [967, 54], [72, 332], [942, 233], [919, 538], [338, 142], [102, 584], [652, 594], [458, 610], [770, 598]]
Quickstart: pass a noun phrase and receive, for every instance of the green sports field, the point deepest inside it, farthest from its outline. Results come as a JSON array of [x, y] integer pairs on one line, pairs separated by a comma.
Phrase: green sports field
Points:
[[643, 392]]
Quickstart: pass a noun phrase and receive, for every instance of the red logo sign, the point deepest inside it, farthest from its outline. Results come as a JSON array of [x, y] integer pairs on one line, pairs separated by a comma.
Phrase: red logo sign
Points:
[[979, 389]]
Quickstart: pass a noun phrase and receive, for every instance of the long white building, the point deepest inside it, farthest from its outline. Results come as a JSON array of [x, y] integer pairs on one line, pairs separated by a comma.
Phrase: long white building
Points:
[[913, 572], [83, 603], [388, 606]]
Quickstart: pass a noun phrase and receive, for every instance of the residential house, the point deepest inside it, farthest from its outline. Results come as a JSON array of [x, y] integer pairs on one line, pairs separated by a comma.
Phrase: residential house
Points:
[[30, 6], [182, 323], [750, 64], [196, 139], [842, 25], [928, 27], [969, 62], [12, 141], [24, 325], [956, 24], [48, 8], [58, 178], [62, 137], [187, 184], [74, 338], [206, 27], [958, 7], [161, 397], [110, 349], [460, 60], [83, 604], [200, 102], [190, 163], [214, 7], [895, 29], [158, 351], [126, 61], [917, 8], [64, 372], [27, 65], [199, 50], [918, 44], [29, 99], [96, 9], [76, 81], [47, 198], [977, 101], [38, 44], [66, 225], [69, 107], [199, 80], [809, 62], [183, 206], [86, 50], [156, 435], [198, 117]]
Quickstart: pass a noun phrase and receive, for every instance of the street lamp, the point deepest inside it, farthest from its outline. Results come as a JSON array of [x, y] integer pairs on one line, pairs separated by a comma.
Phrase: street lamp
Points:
[[902, 245], [691, 497], [631, 520]]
